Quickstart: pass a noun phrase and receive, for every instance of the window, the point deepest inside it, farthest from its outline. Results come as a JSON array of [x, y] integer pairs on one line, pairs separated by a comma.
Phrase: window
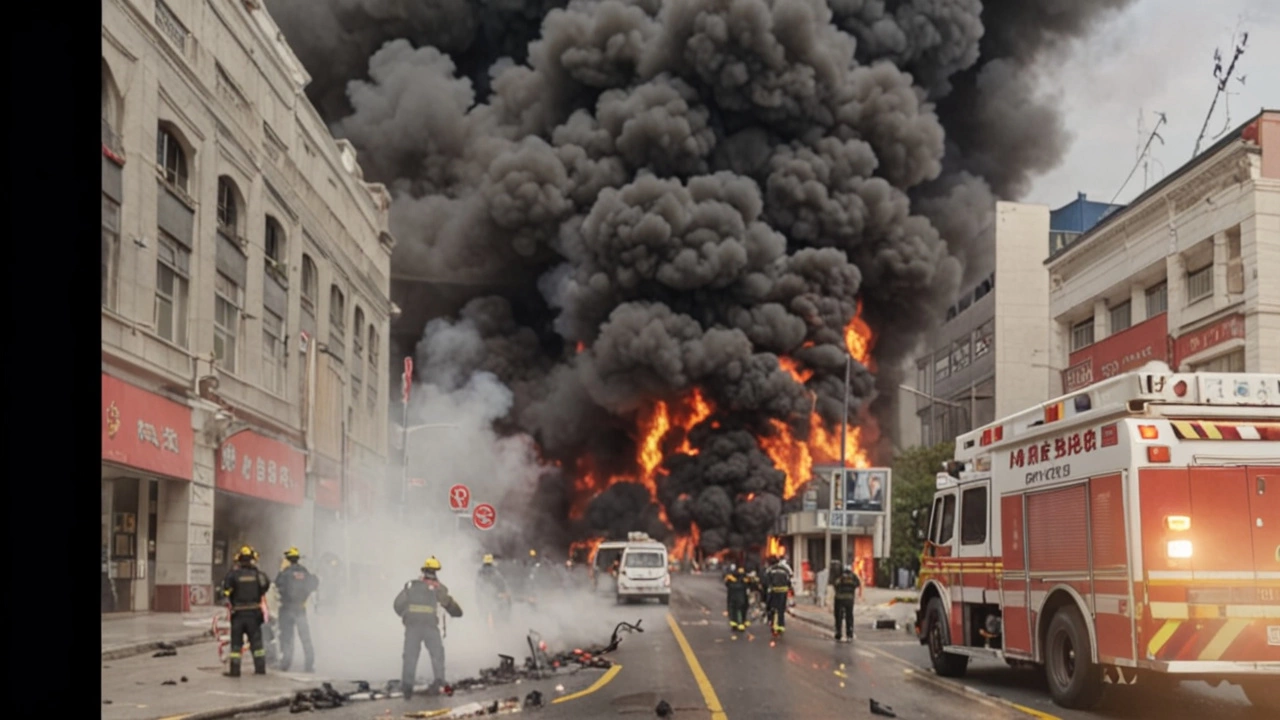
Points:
[[942, 365], [960, 353], [112, 111], [1121, 318], [947, 526], [226, 321], [110, 250], [228, 206], [1082, 335], [274, 359], [1232, 362], [1157, 299], [310, 283], [169, 25], [645, 560], [935, 520], [357, 357], [1200, 283], [372, 391], [273, 245], [171, 159], [973, 519], [337, 324], [173, 273], [982, 339]]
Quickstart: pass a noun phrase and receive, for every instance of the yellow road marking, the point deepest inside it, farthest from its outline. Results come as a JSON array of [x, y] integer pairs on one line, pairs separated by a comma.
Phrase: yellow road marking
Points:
[[176, 717], [599, 683], [1223, 640], [1035, 713], [708, 692], [1162, 636]]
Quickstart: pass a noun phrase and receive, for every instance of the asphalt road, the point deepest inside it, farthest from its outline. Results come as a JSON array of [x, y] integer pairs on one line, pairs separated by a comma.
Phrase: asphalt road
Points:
[[689, 658]]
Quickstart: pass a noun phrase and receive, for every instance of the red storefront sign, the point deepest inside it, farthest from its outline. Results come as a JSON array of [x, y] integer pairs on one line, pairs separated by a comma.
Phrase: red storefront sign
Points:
[[329, 493], [145, 431], [1128, 349], [257, 466], [1224, 330]]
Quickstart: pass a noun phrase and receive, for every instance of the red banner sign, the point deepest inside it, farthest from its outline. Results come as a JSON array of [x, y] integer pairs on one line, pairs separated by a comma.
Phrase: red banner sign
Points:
[[329, 493], [1226, 329], [145, 431], [1128, 349], [257, 466]]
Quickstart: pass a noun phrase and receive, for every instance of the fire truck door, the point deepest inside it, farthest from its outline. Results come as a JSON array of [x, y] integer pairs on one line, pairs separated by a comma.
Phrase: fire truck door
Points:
[[1264, 506], [977, 568], [941, 557]]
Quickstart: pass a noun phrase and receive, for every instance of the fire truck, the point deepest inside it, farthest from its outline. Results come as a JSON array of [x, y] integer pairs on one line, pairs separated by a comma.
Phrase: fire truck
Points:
[[1126, 532]]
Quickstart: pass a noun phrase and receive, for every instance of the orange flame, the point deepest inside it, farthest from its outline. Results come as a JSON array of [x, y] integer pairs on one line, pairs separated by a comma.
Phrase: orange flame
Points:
[[684, 545], [860, 340], [579, 347], [775, 546], [793, 368], [586, 548]]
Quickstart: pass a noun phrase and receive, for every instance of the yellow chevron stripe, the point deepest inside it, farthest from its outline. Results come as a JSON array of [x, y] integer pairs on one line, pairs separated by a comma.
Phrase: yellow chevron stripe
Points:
[[1186, 430], [1162, 636], [1223, 639], [1211, 430]]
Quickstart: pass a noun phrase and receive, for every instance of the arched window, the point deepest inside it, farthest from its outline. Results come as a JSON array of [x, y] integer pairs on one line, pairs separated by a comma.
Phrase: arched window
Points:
[[172, 158], [357, 357], [229, 207], [112, 111], [274, 248], [372, 391], [310, 285], [337, 322]]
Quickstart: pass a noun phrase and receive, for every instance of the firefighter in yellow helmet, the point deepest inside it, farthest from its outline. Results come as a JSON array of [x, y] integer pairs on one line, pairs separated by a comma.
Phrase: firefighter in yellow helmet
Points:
[[418, 606], [244, 587], [492, 592], [295, 583]]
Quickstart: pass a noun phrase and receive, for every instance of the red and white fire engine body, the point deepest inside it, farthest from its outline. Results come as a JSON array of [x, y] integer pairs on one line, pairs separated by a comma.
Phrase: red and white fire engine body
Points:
[[1129, 530]]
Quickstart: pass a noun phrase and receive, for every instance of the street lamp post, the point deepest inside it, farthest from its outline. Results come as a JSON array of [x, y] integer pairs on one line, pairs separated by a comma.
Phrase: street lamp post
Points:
[[831, 490]]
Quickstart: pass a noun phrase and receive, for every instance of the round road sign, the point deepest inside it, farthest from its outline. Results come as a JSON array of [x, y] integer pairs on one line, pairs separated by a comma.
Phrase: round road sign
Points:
[[484, 516], [459, 498]]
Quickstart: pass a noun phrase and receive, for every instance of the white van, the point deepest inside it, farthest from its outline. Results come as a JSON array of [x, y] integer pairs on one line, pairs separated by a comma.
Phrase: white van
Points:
[[606, 554], [643, 571]]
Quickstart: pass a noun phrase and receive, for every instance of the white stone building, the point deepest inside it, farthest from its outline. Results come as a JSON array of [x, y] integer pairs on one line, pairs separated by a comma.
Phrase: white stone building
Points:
[[1186, 273], [245, 308], [990, 358]]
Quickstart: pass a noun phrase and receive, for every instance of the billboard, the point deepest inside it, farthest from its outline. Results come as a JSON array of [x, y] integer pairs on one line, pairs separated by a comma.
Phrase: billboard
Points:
[[863, 490]]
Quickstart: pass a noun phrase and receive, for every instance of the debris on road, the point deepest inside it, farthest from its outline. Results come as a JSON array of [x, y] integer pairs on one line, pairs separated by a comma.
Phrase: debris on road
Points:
[[533, 699], [878, 709], [165, 653], [321, 698], [169, 682], [664, 709]]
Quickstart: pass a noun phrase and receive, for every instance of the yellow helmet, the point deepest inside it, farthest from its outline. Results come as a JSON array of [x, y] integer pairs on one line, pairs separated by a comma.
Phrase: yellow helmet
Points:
[[292, 553], [488, 559], [533, 553], [431, 563], [246, 553]]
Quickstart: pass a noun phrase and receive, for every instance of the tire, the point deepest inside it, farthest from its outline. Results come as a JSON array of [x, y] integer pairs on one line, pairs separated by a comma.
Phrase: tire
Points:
[[1263, 694], [666, 599], [938, 634], [1075, 681]]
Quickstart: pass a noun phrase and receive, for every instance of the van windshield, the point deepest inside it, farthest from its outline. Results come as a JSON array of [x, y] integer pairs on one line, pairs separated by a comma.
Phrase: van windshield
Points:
[[645, 560]]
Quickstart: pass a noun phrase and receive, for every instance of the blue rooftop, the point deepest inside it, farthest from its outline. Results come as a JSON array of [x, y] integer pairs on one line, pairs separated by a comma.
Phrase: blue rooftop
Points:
[[1074, 219]]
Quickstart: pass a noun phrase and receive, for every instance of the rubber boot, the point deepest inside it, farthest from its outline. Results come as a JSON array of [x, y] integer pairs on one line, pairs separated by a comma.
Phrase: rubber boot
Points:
[[259, 666], [234, 669]]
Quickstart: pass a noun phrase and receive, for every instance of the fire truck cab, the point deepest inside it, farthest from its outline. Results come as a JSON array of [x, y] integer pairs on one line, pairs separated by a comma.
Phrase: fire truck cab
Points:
[[1126, 532]]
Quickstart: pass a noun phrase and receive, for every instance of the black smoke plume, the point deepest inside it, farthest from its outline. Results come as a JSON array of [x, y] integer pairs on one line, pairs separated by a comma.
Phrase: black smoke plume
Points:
[[689, 190]]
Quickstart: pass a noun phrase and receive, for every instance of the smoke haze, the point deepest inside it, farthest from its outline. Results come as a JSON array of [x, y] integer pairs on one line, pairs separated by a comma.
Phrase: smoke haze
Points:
[[700, 192]]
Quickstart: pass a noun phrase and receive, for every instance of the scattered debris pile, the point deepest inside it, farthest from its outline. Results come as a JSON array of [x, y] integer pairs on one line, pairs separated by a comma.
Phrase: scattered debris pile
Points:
[[321, 698]]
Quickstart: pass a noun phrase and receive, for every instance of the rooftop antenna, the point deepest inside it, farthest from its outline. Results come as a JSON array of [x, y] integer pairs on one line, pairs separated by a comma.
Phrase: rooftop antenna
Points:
[[1239, 40], [1144, 153]]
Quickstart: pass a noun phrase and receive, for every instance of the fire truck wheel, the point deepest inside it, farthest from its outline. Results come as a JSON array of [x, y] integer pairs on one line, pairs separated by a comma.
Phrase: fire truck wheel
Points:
[[939, 636], [1074, 679], [1263, 694]]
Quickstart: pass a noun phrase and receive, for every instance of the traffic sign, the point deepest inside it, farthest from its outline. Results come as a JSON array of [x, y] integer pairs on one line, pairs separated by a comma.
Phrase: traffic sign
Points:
[[484, 516], [459, 497]]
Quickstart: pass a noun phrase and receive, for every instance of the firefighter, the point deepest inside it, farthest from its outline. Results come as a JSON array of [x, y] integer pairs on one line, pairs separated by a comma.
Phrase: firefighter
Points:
[[777, 583], [418, 606], [846, 587], [244, 587], [730, 570], [737, 587], [295, 583], [492, 591]]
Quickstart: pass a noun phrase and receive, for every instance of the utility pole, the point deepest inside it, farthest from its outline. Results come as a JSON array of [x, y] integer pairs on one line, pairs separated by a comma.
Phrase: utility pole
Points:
[[844, 435]]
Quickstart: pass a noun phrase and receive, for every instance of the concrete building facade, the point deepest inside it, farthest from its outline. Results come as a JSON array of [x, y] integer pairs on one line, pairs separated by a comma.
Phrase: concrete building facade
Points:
[[990, 357], [245, 305], [1185, 274]]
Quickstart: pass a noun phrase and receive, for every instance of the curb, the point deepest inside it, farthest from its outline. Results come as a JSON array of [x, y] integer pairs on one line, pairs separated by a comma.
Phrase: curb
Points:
[[125, 651], [943, 683]]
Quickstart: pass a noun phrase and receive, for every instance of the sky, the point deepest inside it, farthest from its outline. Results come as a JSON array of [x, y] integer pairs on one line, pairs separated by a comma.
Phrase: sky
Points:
[[1155, 57]]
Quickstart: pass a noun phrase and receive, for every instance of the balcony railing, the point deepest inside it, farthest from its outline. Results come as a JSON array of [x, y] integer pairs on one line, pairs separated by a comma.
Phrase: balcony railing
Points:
[[111, 140]]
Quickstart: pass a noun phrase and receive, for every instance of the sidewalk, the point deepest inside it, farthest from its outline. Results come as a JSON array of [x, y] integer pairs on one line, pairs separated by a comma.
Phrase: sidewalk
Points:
[[127, 634], [875, 604]]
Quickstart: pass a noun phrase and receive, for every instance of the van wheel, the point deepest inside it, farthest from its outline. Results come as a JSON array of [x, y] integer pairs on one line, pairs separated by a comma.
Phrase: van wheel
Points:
[[939, 636], [1074, 679], [1263, 694]]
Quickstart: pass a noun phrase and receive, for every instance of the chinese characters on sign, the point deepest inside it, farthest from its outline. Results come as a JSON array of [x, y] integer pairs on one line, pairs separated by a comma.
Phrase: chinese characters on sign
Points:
[[1226, 329], [144, 430], [1051, 451], [1123, 351], [254, 465]]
